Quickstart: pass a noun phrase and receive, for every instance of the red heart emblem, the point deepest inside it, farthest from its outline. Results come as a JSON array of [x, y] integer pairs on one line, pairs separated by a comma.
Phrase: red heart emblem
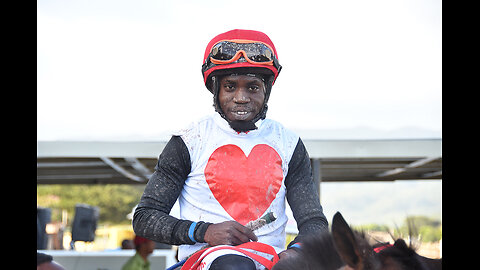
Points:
[[244, 186]]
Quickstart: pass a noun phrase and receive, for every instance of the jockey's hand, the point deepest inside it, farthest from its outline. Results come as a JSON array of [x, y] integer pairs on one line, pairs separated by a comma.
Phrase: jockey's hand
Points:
[[228, 233]]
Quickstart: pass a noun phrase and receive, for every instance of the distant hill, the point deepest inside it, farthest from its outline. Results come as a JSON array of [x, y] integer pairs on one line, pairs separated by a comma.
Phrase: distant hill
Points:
[[387, 203], [353, 133], [363, 133], [382, 203]]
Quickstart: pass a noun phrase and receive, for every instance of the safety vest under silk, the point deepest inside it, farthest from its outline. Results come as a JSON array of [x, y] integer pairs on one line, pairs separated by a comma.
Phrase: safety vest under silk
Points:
[[236, 176]]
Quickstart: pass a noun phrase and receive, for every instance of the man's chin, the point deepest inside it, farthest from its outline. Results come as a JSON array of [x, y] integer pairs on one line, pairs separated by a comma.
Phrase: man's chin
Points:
[[242, 126]]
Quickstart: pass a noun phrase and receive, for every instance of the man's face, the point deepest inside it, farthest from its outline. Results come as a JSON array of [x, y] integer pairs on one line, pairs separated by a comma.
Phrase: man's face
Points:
[[149, 246], [241, 97]]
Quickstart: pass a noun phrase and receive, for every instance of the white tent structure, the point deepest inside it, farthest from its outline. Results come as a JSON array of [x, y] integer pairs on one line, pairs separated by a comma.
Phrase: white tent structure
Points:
[[104, 162]]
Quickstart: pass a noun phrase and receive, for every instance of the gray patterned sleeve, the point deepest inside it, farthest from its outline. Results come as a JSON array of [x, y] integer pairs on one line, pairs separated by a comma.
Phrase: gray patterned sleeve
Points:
[[302, 195], [151, 218]]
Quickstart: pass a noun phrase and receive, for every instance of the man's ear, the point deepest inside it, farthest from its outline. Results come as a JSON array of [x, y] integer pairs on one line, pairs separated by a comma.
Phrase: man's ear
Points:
[[344, 240]]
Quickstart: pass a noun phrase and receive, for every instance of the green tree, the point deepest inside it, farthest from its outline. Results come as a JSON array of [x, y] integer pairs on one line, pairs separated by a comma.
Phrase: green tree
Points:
[[114, 201], [426, 228]]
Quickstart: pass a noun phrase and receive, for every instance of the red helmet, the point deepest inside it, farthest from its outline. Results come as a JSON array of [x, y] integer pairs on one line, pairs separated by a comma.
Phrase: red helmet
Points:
[[238, 49]]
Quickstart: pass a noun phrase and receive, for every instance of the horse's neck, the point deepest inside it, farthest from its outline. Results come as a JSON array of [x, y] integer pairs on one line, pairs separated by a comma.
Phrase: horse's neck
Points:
[[428, 263]]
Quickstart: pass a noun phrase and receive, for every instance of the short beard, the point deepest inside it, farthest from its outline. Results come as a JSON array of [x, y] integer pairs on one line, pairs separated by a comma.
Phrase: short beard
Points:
[[242, 126]]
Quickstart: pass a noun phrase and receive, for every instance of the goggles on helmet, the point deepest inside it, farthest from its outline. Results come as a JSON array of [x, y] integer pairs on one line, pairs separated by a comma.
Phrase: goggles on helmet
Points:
[[254, 52]]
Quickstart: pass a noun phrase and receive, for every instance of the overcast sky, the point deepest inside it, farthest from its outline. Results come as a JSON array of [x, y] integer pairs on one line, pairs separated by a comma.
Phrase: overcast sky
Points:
[[117, 69]]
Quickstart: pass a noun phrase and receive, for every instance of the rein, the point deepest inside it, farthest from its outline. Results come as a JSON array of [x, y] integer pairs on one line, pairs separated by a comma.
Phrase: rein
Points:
[[194, 261], [380, 248]]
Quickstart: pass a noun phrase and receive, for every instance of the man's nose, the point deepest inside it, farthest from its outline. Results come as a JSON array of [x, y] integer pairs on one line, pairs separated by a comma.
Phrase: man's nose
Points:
[[241, 96]]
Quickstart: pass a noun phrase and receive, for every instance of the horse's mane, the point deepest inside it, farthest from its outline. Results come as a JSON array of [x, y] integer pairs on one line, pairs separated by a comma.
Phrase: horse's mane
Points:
[[322, 251], [411, 247], [318, 252], [403, 254]]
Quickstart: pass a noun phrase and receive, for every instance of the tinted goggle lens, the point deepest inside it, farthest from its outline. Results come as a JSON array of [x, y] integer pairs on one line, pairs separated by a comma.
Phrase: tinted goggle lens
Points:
[[227, 50]]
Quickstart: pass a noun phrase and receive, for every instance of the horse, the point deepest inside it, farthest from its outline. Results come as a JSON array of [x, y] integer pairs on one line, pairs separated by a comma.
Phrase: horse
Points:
[[344, 248]]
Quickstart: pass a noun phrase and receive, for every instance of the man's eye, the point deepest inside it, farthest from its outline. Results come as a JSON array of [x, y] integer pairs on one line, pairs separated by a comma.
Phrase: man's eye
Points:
[[229, 87], [254, 88]]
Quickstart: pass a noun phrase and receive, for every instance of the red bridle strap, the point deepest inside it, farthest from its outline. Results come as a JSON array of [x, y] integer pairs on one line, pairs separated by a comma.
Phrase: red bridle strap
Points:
[[380, 248]]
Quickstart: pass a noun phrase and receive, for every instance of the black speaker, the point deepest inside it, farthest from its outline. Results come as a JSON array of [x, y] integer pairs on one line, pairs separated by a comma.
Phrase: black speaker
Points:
[[84, 223], [44, 216]]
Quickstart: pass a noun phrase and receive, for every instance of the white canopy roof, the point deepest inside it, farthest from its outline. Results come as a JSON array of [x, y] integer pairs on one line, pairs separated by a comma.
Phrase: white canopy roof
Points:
[[132, 162]]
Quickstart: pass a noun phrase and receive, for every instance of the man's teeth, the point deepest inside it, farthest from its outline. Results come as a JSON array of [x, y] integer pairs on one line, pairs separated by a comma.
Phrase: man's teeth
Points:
[[241, 113]]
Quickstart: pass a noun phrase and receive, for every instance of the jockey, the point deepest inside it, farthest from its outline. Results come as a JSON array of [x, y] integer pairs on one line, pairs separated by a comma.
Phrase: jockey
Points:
[[233, 167]]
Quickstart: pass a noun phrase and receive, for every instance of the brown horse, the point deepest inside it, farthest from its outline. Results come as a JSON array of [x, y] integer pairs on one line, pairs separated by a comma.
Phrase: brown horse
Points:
[[345, 249]]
